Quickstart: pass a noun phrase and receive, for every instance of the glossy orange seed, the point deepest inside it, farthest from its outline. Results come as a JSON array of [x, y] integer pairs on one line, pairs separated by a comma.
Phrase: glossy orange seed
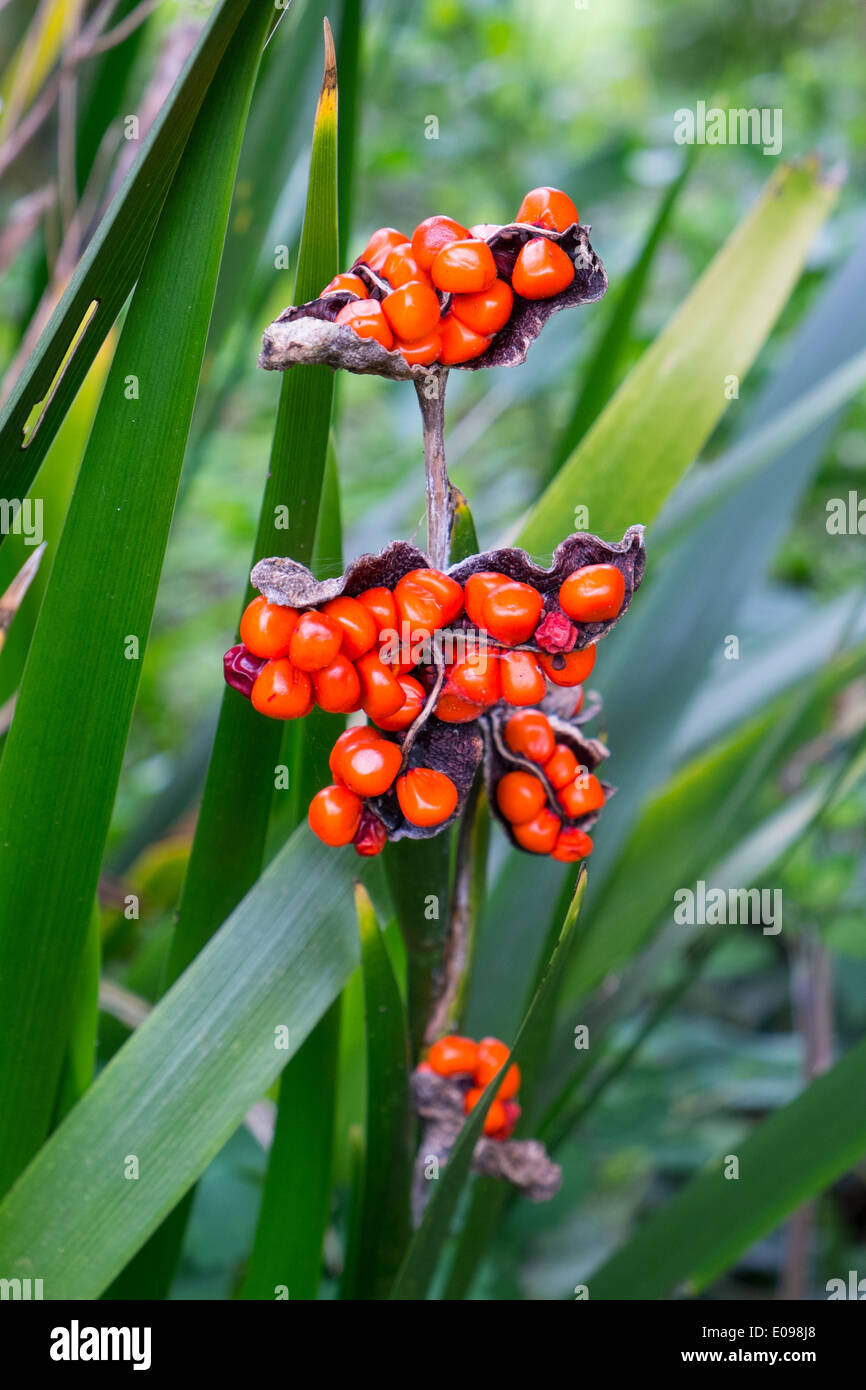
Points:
[[381, 693], [281, 691], [464, 267], [581, 796], [380, 246], [412, 311], [266, 628], [593, 594], [451, 709], [568, 668], [401, 267], [562, 767], [520, 796], [495, 1119], [571, 845], [365, 317], [351, 738], [542, 270], [335, 814], [356, 623], [336, 686], [380, 602], [421, 352], [487, 311], [522, 678], [458, 343], [452, 1056], [549, 208], [491, 1055], [539, 834], [315, 641], [530, 734], [426, 797], [431, 235], [477, 589], [346, 281], [370, 768], [476, 677], [415, 698], [511, 612]]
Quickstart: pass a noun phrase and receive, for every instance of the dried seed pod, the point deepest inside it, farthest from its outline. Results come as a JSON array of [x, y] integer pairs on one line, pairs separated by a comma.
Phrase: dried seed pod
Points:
[[308, 333]]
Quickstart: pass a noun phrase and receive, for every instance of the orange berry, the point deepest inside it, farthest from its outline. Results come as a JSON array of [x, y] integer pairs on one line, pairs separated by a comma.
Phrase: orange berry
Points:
[[381, 693], [522, 678], [336, 686], [451, 709], [520, 796], [562, 767], [315, 641], [380, 246], [487, 311], [281, 691], [412, 311], [426, 797], [476, 677], [401, 267], [335, 814], [365, 318], [370, 768], [571, 844], [431, 235], [346, 282], [443, 587], [422, 352], [549, 208], [458, 343], [412, 706], [579, 797], [426, 599], [452, 1056], [541, 270], [495, 1118], [477, 589], [464, 267], [529, 733], [361, 736], [511, 612], [380, 602], [266, 628], [493, 1054], [567, 668], [593, 594], [539, 834], [356, 623]]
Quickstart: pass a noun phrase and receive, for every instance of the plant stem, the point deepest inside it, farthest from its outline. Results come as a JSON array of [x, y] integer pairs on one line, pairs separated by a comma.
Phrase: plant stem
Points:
[[430, 390], [467, 893]]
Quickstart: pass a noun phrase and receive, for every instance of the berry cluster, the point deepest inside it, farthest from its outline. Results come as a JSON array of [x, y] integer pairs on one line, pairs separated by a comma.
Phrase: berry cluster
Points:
[[524, 798], [473, 1066], [440, 296]]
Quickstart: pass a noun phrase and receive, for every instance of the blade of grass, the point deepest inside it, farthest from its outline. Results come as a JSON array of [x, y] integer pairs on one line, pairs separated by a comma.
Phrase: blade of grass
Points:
[[111, 264], [665, 410], [96, 617], [383, 1221], [422, 1258], [181, 1085]]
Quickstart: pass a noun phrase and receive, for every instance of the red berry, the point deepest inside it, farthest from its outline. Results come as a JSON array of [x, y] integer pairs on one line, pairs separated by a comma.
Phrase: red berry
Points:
[[334, 815], [567, 668], [401, 267], [511, 612], [365, 317], [412, 311], [593, 594], [493, 1054], [380, 602], [381, 693], [529, 733], [315, 641], [458, 343], [549, 208], [539, 834], [415, 699], [464, 267], [520, 796], [580, 797], [426, 599], [356, 623], [476, 677], [522, 678], [477, 589], [426, 797], [370, 768], [487, 311], [431, 235], [361, 736], [281, 691], [562, 767], [336, 686], [571, 845], [453, 1056], [541, 270], [266, 628]]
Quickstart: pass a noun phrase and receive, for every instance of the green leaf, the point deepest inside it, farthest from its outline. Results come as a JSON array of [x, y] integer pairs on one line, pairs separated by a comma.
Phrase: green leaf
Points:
[[296, 1204], [667, 407], [112, 262], [422, 1257], [59, 776], [795, 1154], [419, 880], [383, 1222], [183, 1082]]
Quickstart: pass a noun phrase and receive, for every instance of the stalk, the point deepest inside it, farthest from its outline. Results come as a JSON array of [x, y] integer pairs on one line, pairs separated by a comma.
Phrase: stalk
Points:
[[430, 391]]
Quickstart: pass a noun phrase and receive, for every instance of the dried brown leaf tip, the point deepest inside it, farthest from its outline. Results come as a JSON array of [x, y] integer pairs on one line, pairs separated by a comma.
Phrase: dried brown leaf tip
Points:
[[446, 1087], [448, 296], [480, 667]]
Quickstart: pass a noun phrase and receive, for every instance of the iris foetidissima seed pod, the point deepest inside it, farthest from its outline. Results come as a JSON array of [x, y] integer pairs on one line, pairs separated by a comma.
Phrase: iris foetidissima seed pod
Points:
[[445, 664]]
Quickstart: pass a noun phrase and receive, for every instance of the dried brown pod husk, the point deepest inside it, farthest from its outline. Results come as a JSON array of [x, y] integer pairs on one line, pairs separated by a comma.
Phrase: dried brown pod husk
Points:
[[525, 1163], [308, 333]]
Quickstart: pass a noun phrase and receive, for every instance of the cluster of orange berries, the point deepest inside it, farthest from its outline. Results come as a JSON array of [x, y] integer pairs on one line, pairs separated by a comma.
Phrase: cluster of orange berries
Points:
[[444, 296], [522, 797], [462, 1060], [348, 656]]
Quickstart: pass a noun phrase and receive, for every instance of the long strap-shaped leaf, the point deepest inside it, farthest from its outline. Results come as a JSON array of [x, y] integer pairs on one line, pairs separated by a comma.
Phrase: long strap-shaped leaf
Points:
[[793, 1155], [112, 262], [666, 409], [422, 1257], [168, 1101], [62, 759]]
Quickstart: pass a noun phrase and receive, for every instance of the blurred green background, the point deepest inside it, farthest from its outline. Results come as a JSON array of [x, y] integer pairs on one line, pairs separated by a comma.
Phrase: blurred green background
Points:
[[582, 98]]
